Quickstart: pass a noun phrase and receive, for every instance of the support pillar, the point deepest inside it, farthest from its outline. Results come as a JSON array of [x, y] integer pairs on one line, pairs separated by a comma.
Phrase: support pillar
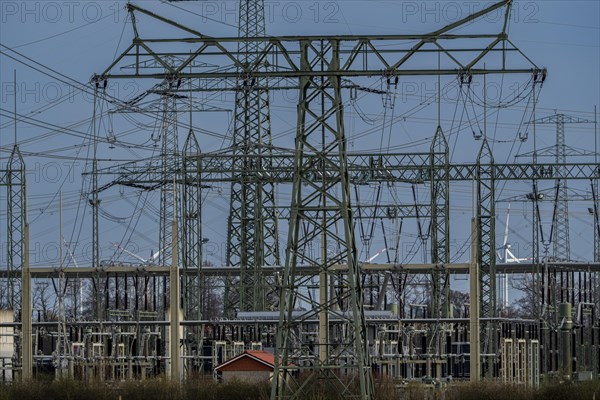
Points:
[[486, 256], [174, 339], [26, 325], [191, 249], [474, 331], [565, 330]]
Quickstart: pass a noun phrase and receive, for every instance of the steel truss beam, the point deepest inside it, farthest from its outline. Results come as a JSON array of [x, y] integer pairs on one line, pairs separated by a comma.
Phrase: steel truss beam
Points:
[[367, 55], [379, 211], [252, 321], [308, 270], [363, 168]]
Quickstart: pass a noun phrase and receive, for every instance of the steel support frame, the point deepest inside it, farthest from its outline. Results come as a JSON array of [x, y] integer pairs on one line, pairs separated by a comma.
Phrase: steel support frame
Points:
[[252, 239], [17, 293], [486, 256], [169, 154], [321, 212], [191, 249], [362, 168], [367, 55], [94, 203], [562, 245], [440, 233], [596, 216], [440, 221], [16, 211]]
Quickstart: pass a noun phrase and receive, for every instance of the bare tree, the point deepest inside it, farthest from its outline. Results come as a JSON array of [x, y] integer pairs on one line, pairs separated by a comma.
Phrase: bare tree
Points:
[[43, 301]]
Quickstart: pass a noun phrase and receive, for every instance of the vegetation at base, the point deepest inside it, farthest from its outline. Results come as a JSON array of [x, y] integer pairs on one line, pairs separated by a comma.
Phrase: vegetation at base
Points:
[[151, 389], [207, 389], [499, 391]]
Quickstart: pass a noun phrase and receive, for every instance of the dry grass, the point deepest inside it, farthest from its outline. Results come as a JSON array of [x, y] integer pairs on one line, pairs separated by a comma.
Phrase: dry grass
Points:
[[499, 391], [152, 389], [162, 389], [488, 391]]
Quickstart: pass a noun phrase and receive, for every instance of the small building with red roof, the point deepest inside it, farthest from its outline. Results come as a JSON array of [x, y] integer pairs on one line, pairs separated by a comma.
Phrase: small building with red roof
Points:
[[250, 366]]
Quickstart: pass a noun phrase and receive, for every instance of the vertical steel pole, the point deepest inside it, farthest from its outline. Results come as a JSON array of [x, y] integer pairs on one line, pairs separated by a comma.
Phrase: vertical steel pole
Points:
[[26, 325], [174, 287], [474, 327]]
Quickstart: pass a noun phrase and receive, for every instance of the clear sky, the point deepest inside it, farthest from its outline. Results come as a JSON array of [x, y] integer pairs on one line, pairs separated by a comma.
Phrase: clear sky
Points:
[[74, 40]]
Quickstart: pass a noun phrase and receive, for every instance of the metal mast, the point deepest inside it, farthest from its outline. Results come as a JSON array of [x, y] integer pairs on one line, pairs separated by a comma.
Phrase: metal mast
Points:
[[252, 225], [440, 221], [94, 202], [16, 223], [168, 156], [595, 194], [18, 293], [486, 237], [15, 212], [192, 287], [562, 245]]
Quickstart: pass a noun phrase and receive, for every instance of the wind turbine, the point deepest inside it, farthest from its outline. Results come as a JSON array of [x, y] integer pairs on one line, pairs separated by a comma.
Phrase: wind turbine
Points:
[[149, 261], [505, 255]]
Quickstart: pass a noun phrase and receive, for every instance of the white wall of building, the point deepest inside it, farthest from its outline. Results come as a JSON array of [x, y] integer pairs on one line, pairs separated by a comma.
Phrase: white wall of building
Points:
[[7, 345]]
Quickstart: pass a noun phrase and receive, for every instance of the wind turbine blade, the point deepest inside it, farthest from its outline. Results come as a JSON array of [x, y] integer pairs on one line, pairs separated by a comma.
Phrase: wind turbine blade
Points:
[[499, 255], [506, 227], [70, 253], [512, 257], [155, 255], [376, 255], [123, 249]]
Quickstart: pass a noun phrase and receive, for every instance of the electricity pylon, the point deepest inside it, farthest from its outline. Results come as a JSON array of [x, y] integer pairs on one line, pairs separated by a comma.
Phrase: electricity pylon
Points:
[[560, 151], [320, 170], [252, 240]]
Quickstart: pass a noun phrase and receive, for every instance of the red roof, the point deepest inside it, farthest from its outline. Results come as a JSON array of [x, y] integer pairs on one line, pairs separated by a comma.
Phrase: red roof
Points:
[[262, 355], [249, 360]]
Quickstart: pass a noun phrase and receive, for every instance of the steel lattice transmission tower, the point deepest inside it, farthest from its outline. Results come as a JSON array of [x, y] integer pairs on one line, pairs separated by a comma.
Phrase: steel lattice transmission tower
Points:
[[321, 214], [252, 225], [561, 241]]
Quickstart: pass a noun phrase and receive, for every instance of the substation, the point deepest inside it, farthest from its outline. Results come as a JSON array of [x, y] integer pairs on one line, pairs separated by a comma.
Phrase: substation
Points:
[[294, 281]]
